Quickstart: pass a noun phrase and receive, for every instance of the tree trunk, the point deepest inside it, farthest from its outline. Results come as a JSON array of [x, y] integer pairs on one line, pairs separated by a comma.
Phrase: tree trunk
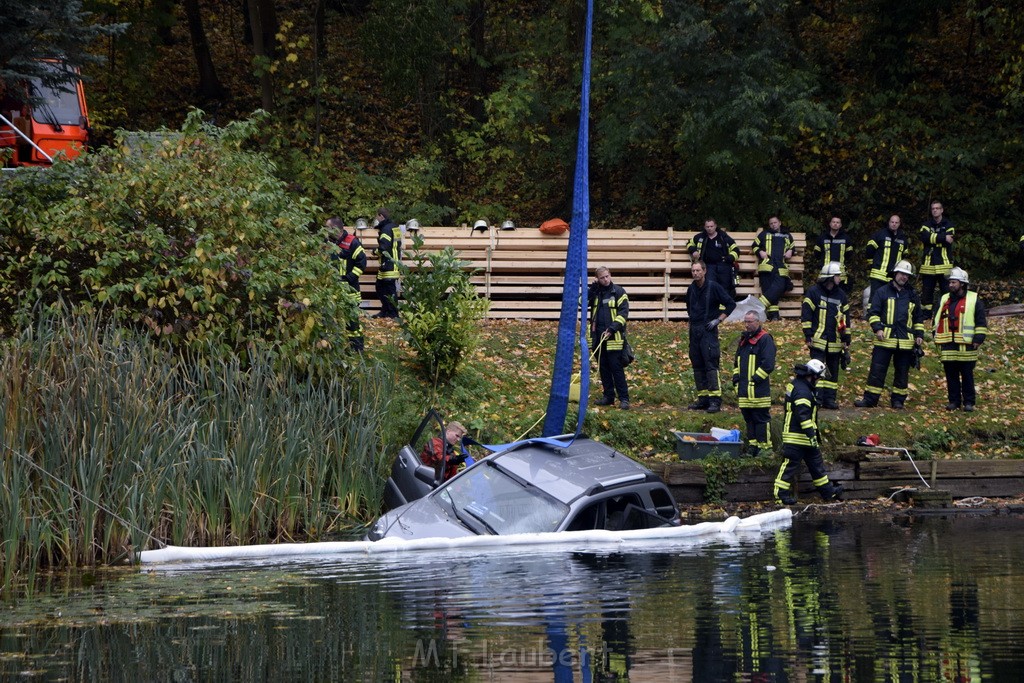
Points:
[[210, 87], [477, 17], [261, 51]]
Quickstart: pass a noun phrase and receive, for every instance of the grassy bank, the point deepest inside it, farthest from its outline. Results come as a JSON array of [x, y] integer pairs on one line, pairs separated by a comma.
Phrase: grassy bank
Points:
[[110, 444], [504, 391]]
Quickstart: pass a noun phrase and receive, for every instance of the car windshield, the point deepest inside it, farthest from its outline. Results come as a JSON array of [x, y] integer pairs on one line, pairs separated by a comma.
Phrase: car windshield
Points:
[[501, 503]]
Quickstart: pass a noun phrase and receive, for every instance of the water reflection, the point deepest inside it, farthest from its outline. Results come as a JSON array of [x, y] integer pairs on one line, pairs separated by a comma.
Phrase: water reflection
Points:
[[933, 599]]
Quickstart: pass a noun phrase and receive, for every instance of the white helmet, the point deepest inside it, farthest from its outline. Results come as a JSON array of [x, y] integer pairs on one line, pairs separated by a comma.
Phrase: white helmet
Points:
[[480, 225], [816, 367], [508, 225], [904, 266], [831, 269], [361, 224], [412, 225], [959, 274]]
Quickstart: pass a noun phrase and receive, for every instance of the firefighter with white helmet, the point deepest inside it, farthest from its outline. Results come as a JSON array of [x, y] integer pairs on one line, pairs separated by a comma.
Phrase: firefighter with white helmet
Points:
[[800, 440], [960, 328], [825, 319], [897, 319]]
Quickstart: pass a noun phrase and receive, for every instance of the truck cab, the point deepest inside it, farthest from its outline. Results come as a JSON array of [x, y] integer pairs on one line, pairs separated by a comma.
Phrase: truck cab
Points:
[[55, 122]]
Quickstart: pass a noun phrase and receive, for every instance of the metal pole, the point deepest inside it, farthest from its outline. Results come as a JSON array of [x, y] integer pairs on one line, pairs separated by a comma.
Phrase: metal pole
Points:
[[27, 138]]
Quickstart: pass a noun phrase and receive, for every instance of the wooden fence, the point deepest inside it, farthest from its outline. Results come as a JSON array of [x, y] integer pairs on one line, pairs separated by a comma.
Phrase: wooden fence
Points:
[[521, 271]]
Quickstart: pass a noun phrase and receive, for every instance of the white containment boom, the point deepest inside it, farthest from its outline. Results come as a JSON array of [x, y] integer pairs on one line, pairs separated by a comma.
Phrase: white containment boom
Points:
[[755, 523]]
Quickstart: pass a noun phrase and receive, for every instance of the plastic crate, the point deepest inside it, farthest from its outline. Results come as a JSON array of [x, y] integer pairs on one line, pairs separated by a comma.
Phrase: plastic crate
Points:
[[702, 446]]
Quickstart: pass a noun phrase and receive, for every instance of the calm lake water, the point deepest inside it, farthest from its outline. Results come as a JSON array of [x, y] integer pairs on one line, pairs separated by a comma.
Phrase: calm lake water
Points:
[[845, 599]]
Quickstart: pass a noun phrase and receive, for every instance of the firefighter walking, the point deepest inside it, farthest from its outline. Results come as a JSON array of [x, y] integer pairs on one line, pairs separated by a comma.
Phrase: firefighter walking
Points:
[[389, 251], [825, 319], [351, 259], [896, 319], [751, 372], [800, 442], [960, 328]]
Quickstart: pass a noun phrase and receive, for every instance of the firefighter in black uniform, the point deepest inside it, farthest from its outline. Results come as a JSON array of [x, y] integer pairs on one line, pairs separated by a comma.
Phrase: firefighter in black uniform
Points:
[[960, 328], [800, 437], [754, 364], [609, 310], [825, 319], [389, 251], [937, 235], [885, 249], [834, 246], [719, 253], [351, 259], [895, 318], [708, 304], [773, 247]]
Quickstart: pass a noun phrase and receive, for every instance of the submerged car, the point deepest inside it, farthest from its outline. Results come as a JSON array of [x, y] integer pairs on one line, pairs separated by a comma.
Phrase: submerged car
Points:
[[531, 487]]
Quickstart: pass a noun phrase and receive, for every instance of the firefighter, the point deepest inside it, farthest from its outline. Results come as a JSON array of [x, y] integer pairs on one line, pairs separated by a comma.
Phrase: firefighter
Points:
[[937, 235], [609, 310], [351, 260], [960, 328], [800, 436], [389, 251], [719, 253], [773, 247], [707, 304], [751, 371], [834, 246], [895, 318], [885, 249], [825, 319]]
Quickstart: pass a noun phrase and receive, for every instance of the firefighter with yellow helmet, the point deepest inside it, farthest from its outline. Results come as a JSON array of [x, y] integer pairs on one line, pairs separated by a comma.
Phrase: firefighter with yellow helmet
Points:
[[896, 318], [960, 328]]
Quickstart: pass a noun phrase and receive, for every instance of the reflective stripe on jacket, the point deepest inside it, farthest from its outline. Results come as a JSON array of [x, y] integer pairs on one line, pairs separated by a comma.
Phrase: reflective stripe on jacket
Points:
[[825, 318], [754, 363], [937, 259], [775, 244], [609, 310], [898, 313], [884, 251], [800, 420]]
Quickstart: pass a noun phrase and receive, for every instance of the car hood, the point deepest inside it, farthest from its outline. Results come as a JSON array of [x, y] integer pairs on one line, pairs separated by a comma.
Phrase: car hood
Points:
[[423, 518]]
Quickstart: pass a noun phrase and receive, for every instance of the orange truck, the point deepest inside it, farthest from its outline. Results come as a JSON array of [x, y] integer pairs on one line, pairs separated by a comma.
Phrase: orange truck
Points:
[[33, 134]]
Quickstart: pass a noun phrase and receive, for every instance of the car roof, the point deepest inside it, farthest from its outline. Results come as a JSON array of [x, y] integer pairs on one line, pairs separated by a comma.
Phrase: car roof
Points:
[[569, 472]]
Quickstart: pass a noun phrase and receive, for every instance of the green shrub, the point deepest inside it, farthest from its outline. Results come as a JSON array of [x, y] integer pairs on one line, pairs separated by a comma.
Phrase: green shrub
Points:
[[186, 235], [440, 312]]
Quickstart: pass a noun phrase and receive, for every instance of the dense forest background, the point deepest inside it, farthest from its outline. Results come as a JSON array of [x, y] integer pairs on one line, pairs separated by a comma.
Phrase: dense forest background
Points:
[[453, 110]]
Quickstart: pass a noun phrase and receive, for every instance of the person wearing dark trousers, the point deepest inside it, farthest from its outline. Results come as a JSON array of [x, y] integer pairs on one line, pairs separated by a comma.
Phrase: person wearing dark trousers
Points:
[[751, 372], [389, 251], [719, 253], [800, 442], [609, 311], [885, 249], [895, 318], [960, 328], [773, 247], [835, 246], [825, 319], [351, 259], [707, 305], [937, 235]]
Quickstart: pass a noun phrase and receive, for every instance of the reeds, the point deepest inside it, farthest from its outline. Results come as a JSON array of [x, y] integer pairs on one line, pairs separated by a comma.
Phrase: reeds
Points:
[[109, 444]]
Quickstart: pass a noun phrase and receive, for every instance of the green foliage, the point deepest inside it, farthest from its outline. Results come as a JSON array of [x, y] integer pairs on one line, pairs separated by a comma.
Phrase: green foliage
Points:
[[183, 234], [440, 311], [720, 469], [110, 440]]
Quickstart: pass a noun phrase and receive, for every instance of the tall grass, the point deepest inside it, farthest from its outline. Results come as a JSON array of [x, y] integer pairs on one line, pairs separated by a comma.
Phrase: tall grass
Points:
[[109, 444]]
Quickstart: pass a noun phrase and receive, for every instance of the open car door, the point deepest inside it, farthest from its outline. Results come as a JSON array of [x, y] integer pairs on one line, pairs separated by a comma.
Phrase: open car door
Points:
[[410, 479]]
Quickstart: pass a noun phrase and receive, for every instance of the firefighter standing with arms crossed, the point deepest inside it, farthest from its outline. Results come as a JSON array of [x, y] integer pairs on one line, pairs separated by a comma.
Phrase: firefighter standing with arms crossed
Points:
[[707, 304], [937, 236]]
